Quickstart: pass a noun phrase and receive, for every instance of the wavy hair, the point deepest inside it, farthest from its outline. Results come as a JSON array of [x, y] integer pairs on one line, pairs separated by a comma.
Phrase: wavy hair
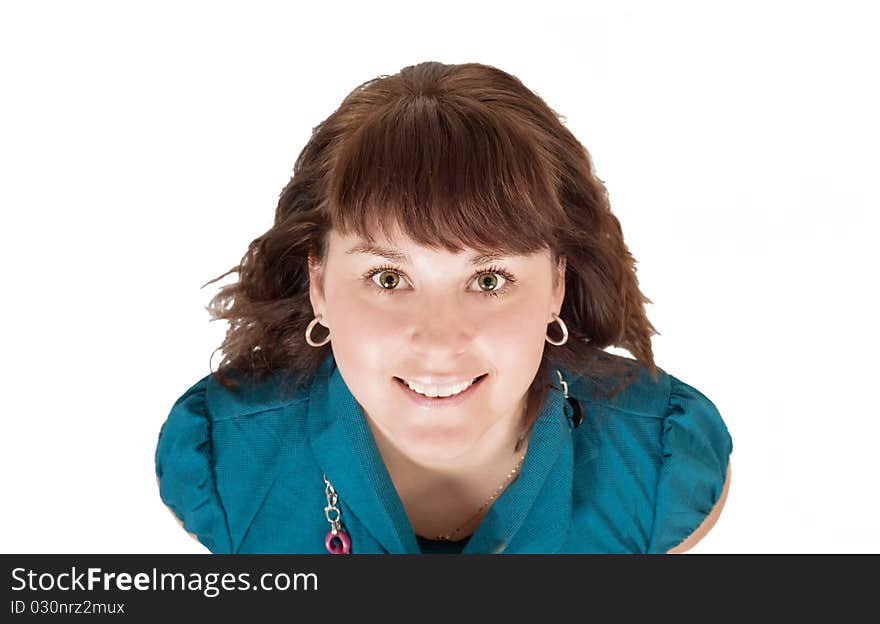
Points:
[[456, 156]]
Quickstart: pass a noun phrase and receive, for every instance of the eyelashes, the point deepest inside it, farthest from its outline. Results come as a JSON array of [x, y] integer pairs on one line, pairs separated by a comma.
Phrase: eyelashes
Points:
[[509, 279]]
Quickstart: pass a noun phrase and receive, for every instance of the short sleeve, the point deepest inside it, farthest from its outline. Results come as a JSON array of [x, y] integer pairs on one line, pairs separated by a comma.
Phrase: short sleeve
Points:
[[696, 450], [184, 466]]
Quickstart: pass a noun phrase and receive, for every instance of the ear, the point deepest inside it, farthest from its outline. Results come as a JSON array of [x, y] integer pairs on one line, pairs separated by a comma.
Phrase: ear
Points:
[[316, 289], [559, 284]]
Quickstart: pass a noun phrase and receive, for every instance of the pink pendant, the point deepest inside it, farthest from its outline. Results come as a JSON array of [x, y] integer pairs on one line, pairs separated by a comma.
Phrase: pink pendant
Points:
[[342, 544]]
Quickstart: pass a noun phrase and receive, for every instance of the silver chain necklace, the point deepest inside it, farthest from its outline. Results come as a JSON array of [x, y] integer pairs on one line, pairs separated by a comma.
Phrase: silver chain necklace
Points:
[[338, 542]]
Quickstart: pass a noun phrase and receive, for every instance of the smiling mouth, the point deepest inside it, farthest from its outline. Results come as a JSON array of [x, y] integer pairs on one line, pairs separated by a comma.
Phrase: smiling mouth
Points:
[[474, 382]]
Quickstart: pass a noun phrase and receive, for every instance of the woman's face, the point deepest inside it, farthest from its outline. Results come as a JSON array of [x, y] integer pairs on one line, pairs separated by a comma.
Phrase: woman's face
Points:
[[429, 316]]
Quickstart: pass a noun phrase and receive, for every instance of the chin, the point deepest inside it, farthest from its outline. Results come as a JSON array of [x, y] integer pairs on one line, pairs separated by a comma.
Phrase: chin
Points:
[[437, 446]]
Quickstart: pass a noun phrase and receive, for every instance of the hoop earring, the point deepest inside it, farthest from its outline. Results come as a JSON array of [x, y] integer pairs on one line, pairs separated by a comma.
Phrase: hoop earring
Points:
[[564, 331], [309, 333]]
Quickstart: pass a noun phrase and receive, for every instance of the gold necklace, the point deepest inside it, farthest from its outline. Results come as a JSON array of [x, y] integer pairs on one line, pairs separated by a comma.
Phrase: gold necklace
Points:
[[449, 537]]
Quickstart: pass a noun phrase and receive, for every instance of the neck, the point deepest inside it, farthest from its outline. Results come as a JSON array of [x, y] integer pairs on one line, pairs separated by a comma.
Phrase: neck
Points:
[[442, 496]]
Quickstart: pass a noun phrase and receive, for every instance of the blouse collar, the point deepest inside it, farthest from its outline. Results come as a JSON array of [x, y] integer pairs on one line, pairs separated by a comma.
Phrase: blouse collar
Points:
[[533, 514]]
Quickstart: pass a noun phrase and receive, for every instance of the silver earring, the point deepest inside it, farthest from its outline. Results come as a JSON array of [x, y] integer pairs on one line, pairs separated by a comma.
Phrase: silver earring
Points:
[[564, 331], [309, 333]]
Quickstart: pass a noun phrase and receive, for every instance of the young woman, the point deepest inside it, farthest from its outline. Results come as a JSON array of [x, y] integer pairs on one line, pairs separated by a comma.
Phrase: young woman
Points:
[[415, 361]]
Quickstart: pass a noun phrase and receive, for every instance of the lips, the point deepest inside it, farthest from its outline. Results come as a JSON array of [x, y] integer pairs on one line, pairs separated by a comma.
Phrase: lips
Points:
[[449, 401]]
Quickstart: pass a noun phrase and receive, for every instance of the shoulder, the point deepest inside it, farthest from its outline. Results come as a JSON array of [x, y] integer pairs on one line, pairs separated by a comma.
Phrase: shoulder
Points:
[[200, 451], [641, 393], [695, 475], [184, 469], [708, 522], [250, 396], [682, 416], [671, 442]]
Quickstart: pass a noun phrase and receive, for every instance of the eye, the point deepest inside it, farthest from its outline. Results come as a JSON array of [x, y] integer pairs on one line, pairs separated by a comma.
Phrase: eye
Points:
[[489, 282], [388, 279], [390, 276]]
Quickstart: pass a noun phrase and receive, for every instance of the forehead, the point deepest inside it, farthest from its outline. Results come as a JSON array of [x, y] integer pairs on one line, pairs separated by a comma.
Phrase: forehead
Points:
[[400, 248]]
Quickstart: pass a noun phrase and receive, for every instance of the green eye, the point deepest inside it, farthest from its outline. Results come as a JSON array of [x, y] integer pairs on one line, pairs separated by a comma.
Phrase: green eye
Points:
[[489, 280], [389, 279]]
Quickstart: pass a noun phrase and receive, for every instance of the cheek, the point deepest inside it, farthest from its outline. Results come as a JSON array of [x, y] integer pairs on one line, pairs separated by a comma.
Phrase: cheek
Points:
[[362, 337], [362, 330], [516, 341]]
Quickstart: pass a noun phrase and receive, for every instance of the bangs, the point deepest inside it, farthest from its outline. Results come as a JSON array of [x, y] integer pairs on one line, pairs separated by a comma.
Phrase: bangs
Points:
[[448, 174]]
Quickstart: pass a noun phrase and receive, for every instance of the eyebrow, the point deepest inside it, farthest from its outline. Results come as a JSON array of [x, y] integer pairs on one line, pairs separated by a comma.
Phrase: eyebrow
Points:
[[397, 256]]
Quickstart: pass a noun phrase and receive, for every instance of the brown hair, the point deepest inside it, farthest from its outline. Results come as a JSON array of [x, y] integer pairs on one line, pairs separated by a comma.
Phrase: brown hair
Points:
[[457, 156]]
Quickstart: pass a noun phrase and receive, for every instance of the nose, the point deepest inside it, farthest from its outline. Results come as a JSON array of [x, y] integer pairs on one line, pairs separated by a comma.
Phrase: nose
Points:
[[442, 326]]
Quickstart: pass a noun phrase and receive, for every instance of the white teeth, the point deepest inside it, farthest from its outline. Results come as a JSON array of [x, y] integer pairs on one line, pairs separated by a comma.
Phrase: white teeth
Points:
[[438, 391]]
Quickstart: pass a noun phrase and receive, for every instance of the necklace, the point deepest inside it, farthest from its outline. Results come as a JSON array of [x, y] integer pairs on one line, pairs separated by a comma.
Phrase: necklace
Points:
[[338, 542], [449, 537]]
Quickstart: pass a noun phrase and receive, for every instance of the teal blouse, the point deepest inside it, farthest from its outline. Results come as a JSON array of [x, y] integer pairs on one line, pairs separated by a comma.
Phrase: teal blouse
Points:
[[243, 470]]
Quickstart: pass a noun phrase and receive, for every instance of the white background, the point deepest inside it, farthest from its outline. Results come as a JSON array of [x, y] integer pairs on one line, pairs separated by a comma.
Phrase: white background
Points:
[[144, 145]]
